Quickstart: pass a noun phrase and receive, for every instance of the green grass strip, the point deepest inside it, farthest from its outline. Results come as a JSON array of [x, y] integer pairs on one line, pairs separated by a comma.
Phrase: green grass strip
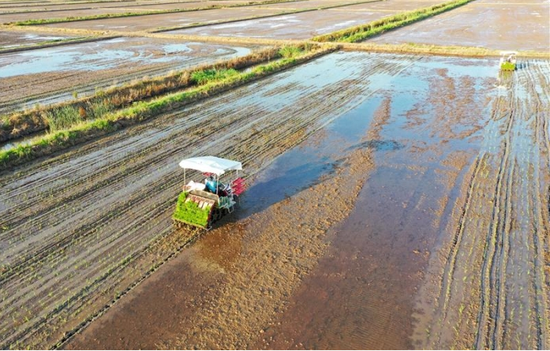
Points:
[[64, 115], [143, 110], [362, 32], [34, 22]]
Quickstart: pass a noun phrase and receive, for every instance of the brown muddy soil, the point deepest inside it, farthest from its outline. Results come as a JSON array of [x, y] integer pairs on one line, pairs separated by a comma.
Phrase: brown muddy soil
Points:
[[489, 279], [33, 76], [503, 25], [11, 6], [16, 17], [309, 4], [15, 39], [363, 258], [239, 277], [128, 182], [101, 9], [151, 22], [292, 26]]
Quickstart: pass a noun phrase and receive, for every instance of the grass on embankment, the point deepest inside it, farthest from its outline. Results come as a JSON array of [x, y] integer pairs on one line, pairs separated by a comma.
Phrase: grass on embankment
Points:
[[143, 110], [364, 31], [63, 115]]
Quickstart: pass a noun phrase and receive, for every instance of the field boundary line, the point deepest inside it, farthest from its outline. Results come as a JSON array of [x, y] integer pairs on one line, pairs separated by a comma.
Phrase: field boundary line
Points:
[[35, 22], [142, 111]]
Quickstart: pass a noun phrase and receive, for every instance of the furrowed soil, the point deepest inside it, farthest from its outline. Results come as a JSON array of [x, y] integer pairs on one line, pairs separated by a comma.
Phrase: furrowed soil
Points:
[[97, 219], [414, 220], [54, 74], [489, 279], [17, 39]]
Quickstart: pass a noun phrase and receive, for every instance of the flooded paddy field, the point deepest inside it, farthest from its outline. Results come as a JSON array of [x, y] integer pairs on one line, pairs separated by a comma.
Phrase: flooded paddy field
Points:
[[151, 22], [501, 25], [53, 74], [393, 201], [129, 183], [12, 40], [291, 26], [11, 6], [48, 14], [416, 200], [311, 4], [95, 9], [391, 6]]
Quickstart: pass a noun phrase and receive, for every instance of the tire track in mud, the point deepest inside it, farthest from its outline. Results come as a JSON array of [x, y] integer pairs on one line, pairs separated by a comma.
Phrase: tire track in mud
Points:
[[94, 220], [492, 285]]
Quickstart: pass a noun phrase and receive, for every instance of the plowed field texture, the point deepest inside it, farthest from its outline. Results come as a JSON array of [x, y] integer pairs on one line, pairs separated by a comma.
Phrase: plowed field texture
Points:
[[394, 200]]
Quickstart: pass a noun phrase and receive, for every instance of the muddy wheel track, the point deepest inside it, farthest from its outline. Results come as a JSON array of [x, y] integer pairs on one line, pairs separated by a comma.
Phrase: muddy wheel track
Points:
[[492, 283]]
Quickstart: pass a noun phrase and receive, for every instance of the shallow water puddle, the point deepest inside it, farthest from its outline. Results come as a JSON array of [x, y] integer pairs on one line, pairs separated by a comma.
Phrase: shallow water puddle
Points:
[[105, 54]]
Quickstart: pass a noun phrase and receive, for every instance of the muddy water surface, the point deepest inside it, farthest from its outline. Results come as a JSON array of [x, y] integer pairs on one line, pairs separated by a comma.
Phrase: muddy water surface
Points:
[[502, 25], [332, 242], [361, 294], [292, 26]]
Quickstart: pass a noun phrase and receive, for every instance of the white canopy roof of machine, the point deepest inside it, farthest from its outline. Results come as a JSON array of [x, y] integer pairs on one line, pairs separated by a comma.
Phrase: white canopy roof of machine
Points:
[[210, 164]]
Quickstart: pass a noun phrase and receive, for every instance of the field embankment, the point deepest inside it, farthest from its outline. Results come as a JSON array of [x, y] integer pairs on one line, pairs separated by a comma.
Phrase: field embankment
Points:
[[143, 110], [439, 50]]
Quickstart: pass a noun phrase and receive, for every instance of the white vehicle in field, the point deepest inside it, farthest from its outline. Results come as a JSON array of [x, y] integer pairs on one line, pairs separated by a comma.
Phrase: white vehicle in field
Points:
[[201, 204]]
